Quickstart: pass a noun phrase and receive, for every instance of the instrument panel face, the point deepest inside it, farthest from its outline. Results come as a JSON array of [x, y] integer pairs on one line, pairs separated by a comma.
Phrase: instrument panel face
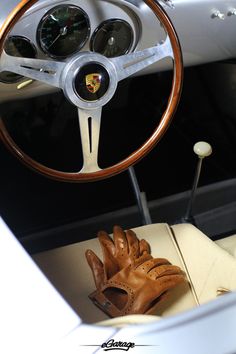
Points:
[[63, 31], [112, 38]]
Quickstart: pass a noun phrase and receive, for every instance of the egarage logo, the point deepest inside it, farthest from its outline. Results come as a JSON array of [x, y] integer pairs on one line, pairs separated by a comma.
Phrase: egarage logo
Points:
[[117, 345]]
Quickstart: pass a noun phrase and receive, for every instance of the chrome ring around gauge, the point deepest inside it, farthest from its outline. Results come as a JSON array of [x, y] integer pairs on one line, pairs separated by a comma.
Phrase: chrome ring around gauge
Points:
[[17, 46], [63, 31], [112, 38]]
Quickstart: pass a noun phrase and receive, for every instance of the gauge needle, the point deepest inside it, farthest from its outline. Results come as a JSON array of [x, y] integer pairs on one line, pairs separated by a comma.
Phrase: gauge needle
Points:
[[54, 18], [63, 32]]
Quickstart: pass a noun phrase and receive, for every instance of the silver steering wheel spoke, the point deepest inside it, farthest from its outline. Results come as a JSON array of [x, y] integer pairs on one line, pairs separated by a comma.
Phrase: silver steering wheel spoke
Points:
[[46, 71], [129, 64], [90, 122]]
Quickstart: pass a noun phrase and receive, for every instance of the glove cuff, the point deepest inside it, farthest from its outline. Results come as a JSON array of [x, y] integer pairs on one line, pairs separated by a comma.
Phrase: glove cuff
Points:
[[106, 305]]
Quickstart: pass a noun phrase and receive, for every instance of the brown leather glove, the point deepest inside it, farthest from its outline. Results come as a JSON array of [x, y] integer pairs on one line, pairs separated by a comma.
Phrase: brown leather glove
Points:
[[138, 288], [130, 280], [118, 253]]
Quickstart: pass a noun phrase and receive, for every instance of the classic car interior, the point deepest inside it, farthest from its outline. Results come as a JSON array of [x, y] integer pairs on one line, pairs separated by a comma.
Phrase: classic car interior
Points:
[[101, 104]]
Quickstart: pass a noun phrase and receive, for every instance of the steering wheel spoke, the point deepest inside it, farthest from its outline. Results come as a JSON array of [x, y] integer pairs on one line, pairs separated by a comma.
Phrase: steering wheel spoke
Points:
[[130, 64], [90, 122], [46, 71]]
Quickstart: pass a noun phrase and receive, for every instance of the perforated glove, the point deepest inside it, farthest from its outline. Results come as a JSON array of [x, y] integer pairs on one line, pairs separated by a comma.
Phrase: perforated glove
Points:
[[118, 253], [127, 283], [138, 288]]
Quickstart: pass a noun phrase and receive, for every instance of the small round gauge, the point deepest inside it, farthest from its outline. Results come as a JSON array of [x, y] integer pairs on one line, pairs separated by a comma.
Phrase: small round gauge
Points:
[[112, 38], [63, 31], [17, 46]]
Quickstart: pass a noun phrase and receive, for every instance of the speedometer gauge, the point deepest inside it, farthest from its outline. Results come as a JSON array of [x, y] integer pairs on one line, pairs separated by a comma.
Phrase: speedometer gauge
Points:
[[63, 31], [112, 38]]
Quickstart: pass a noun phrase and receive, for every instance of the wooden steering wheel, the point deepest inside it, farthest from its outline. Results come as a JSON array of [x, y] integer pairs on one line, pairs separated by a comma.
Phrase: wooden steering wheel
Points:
[[70, 76]]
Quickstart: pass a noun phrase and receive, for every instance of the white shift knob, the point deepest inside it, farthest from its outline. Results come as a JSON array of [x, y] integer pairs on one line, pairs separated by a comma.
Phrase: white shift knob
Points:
[[202, 149]]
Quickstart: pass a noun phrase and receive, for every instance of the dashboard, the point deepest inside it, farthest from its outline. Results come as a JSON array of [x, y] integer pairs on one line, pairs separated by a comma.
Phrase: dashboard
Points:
[[69, 27], [59, 29]]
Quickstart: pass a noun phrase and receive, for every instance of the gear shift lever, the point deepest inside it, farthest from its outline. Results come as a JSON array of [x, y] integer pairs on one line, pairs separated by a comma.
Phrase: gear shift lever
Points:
[[202, 149]]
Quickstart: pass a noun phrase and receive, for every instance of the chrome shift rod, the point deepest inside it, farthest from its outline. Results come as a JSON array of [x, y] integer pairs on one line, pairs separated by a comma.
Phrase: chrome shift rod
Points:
[[202, 150], [140, 198]]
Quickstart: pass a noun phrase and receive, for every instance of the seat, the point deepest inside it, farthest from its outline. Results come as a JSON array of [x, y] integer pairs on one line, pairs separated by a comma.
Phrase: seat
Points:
[[210, 269]]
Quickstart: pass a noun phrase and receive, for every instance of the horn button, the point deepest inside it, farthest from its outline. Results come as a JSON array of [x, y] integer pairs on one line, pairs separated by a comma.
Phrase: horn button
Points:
[[91, 82]]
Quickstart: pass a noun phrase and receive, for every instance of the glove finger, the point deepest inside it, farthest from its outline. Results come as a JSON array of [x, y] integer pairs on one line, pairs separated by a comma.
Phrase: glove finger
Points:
[[163, 270], [120, 240], [97, 268], [144, 247], [106, 242], [133, 244], [147, 266], [144, 258], [108, 250], [168, 282]]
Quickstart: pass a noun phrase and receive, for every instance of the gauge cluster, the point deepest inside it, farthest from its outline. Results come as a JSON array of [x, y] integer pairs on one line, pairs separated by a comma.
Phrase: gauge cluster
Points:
[[58, 30]]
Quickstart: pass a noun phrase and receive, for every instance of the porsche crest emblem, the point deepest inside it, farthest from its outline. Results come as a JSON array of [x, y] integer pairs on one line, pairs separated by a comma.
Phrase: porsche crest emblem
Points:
[[93, 82]]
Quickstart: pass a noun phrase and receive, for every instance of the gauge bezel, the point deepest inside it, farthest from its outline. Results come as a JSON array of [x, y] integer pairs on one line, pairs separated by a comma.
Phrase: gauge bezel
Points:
[[19, 78], [39, 29], [108, 21]]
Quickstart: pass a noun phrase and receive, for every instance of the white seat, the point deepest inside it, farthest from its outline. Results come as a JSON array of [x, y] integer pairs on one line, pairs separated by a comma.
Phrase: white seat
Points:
[[208, 267], [228, 244]]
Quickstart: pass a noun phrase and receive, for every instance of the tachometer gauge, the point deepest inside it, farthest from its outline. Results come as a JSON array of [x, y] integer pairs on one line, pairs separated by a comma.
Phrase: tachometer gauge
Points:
[[112, 38], [63, 31], [17, 46]]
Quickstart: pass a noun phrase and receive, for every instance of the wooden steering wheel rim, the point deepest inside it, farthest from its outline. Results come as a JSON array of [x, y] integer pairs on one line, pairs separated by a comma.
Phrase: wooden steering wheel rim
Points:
[[137, 155]]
